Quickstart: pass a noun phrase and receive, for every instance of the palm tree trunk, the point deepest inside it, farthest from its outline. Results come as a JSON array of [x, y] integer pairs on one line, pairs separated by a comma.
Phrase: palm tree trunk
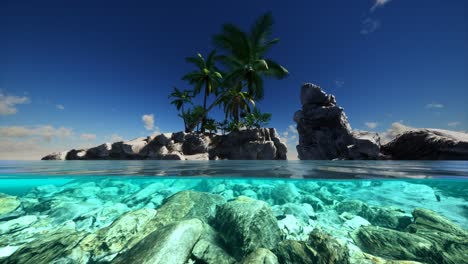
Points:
[[204, 107]]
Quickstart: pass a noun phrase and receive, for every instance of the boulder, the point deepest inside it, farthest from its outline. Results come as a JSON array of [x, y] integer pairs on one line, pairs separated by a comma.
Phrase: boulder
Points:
[[428, 144], [246, 224], [170, 244], [163, 139], [124, 232], [397, 245], [195, 144], [320, 248], [210, 248], [56, 247], [324, 130]]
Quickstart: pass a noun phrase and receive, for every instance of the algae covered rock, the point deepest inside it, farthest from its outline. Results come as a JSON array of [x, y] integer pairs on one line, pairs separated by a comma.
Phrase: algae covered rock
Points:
[[50, 248], [392, 244], [261, 256], [124, 232], [8, 203], [170, 244], [210, 248], [321, 248], [246, 224]]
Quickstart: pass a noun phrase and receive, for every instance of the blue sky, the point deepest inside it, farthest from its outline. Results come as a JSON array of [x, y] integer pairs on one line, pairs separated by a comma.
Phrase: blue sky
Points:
[[83, 73]]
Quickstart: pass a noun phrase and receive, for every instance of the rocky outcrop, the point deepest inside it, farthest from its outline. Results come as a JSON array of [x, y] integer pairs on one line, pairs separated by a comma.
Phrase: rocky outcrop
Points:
[[252, 144], [428, 144], [324, 130]]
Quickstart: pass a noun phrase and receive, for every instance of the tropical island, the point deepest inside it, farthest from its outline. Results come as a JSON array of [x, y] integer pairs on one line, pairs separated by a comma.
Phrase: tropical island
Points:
[[234, 81]]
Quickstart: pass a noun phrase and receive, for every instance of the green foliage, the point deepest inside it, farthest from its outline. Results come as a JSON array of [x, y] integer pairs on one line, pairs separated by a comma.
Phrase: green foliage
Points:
[[234, 126], [192, 118], [246, 64], [211, 125], [256, 119]]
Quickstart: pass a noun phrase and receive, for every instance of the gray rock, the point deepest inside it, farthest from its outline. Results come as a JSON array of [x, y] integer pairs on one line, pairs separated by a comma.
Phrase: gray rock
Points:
[[195, 144], [164, 138], [428, 144], [285, 193], [179, 137], [99, 152], [170, 244], [246, 224], [324, 130]]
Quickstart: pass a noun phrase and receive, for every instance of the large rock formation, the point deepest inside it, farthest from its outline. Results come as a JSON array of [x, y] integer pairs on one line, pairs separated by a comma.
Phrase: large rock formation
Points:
[[428, 144], [253, 144], [324, 131]]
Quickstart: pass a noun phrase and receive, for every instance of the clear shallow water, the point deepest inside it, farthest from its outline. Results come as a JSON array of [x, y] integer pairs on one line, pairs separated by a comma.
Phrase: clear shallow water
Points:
[[87, 197]]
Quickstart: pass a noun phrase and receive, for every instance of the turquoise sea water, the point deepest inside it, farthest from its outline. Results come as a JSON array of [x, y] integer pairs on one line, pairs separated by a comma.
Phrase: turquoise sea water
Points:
[[39, 200]]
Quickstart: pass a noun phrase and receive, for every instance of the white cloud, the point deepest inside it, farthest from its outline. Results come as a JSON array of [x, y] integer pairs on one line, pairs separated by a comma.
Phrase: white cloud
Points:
[[8, 103], [148, 120], [396, 129], [60, 107], [371, 125], [339, 83], [369, 25], [434, 105], [116, 138], [379, 3], [454, 124], [289, 137], [47, 132], [88, 137]]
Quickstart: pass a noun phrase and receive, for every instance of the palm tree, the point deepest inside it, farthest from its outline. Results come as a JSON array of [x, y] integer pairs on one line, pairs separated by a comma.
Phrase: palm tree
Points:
[[180, 98], [246, 60], [235, 101], [207, 76]]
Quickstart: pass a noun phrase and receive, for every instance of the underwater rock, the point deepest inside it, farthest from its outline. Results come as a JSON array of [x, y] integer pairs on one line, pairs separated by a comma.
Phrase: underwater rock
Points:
[[450, 239], [397, 245], [145, 194], [246, 224], [186, 205], [209, 248], [54, 247], [170, 244], [320, 248], [124, 232], [16, 224], [8, 203], [285, 193], [261, 256], [324, 130], [428, 144], [303, 212], [380, 216]]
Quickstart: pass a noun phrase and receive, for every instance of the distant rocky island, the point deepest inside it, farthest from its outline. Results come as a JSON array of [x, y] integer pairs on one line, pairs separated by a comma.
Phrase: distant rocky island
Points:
[[324, 134]]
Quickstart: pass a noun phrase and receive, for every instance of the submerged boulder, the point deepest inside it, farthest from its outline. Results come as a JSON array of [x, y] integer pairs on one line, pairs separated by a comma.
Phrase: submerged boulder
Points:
[[261, 256], [246, 224], [428, 144], [170, 244], [8, 203], [320, 248]]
